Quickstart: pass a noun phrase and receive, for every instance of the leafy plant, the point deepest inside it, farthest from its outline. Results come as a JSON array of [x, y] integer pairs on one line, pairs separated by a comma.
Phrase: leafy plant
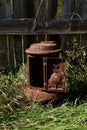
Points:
[[76, 66]]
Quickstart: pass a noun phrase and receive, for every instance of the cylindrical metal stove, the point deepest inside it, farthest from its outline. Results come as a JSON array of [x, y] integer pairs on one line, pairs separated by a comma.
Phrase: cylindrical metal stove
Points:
[[45, 71]]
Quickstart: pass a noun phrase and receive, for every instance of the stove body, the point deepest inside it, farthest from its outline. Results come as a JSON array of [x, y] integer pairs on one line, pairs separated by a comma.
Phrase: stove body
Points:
[[45, 72]]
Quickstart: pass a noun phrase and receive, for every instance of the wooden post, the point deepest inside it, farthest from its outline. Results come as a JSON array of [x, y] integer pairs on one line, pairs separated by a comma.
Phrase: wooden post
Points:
[[66, 9]]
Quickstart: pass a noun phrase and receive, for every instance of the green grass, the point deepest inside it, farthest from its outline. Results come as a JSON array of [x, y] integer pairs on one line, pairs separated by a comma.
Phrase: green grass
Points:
[[37, 117], [16, 113]]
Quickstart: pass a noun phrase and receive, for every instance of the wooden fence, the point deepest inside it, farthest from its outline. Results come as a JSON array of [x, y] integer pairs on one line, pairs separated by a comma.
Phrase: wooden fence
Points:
[[23, 22]]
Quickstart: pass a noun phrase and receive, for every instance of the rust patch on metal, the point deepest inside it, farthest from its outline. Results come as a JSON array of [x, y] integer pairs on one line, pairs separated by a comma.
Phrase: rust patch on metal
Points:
[[38, 95], [45, 47]]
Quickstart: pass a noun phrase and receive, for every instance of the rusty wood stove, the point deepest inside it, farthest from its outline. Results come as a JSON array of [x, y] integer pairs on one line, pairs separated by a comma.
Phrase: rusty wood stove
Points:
[[45, 72]]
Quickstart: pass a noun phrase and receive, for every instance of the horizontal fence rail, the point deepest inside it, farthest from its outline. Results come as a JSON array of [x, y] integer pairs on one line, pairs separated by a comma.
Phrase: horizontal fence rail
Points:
[[23, 22], [42, 16], [26, 26]]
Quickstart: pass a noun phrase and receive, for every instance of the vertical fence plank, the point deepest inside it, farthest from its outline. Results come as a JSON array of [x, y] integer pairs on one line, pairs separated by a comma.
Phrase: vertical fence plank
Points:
[[7, 8], [10, 43], [17, 13], [80, 7], [3, 9], [3, 53], [66, 9], [73, 5], [85, 9], [17, 9], [59, 9], [26, 44], [28, 8], [65, 40], [52, 9], [41, 38], [41, 11], [18, 49]]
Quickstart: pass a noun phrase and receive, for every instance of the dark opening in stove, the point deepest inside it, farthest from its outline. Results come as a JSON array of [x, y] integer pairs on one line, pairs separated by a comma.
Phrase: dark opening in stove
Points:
[[36, 71]]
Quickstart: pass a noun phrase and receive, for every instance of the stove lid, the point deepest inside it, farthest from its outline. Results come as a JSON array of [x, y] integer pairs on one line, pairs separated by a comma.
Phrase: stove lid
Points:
[[44, 47]]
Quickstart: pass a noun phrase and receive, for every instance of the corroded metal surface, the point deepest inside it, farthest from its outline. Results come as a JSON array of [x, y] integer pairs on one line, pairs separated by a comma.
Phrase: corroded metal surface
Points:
[[45, 47], [38, 95], [41, 96]]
